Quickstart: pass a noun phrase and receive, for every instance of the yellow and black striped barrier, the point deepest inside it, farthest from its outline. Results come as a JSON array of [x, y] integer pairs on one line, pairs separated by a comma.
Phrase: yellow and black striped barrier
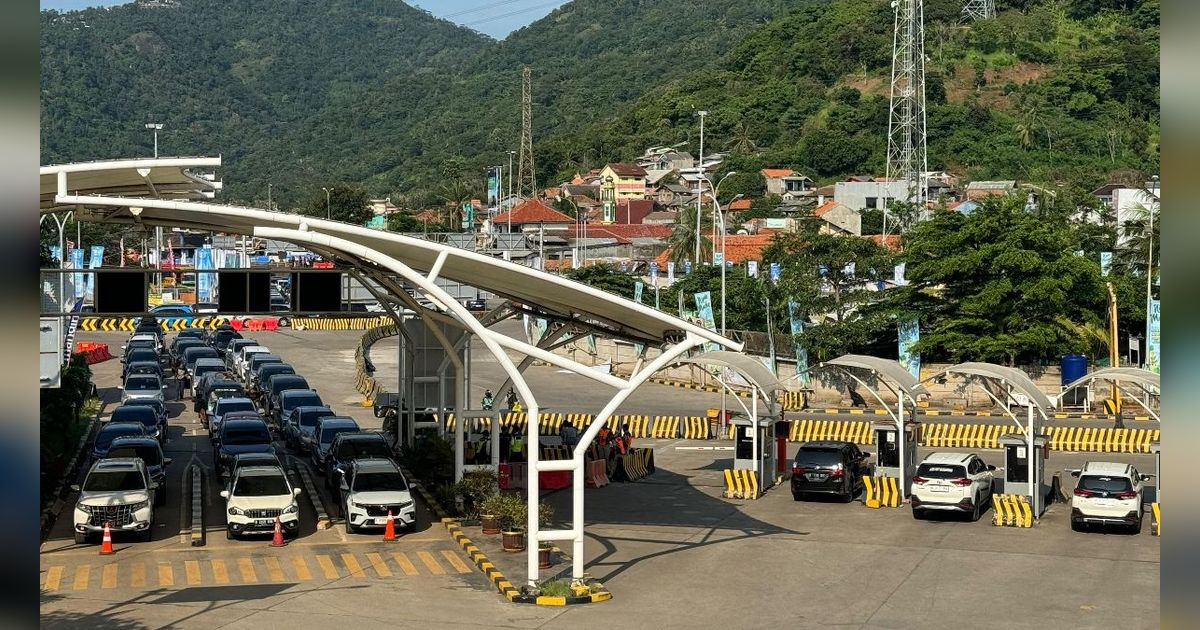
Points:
[[555, 452], [338, 323], [1103, 440], [741, 484], [166, 324], [695, 428], [882, 491], [665, 427], [1012, 510], [962, 435], [857, 431], [1155, 519]]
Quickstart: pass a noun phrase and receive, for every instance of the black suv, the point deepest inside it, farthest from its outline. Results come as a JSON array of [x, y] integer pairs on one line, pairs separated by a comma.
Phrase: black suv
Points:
[[829, 467], [348, 447]]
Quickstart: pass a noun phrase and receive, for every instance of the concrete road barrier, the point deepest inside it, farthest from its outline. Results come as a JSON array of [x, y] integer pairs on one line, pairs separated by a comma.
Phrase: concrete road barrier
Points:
[[1011, 510]]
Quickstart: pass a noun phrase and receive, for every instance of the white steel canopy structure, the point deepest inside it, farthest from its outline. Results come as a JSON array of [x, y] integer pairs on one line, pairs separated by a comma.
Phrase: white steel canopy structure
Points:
[[1146, 380], [110, 192]]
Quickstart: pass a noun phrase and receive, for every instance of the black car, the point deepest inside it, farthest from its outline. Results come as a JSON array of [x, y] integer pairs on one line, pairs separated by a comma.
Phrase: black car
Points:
[[347, 447], [145, 367], [191, 355], [222, 336], [240, 435], [829, 467], [138, 355], [112, 431], [300, 425], [476, 305], [253, 459], [328, 429], [264, 373], [289, 399], [269, 395], [149, 451], [180, 346], [147, 416]]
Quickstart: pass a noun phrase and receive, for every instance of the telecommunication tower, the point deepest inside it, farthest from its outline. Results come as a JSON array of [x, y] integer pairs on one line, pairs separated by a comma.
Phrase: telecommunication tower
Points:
[[526, 189], [975, 10], [907, 159]]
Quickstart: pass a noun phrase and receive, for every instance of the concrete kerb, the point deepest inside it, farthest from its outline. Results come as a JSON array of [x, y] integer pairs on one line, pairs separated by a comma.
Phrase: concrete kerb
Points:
[[314, 497], [595, 591], [197, 512], [959, 413], [439, 513]]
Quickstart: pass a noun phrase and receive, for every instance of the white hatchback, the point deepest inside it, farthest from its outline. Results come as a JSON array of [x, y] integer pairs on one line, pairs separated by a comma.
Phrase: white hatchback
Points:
[[952, 482], [1108, 494]]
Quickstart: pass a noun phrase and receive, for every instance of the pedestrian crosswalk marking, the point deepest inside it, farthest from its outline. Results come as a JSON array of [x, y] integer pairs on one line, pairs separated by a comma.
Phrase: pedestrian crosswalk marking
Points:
[[166, 575], [220, 575], [352, 565], [274, 571], [137, 577], [108, 576], [379, 565], [246, 569], [82, 574], [327, 567], [406, 565], [431, 563], [53, 577], [301, 567], [455, 561], [192, 569]]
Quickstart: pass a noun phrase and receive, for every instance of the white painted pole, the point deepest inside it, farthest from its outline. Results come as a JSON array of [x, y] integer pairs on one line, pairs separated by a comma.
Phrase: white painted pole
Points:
[[902, 444]]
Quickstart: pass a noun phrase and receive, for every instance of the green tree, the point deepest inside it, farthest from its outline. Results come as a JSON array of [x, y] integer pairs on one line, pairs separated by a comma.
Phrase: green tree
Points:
[[683, 236], [744, 295], [604, 277], [403, 222], [344, 203]]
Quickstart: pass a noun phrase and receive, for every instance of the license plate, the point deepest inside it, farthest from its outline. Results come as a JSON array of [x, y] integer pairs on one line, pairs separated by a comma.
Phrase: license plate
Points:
[[815, 476], [264, 522], [939, 489]]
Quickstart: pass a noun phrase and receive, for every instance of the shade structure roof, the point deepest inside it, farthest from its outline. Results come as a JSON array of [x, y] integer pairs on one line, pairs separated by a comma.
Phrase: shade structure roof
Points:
[[548, 294], [1019, 380], [753, 370], [891, 370], [1145, 378], [167, 178]]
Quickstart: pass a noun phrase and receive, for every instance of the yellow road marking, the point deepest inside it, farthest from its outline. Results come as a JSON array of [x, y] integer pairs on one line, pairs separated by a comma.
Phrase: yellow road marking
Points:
[[455, 561], [406, 565], [108, 576], [352, 565], [301, 567], [137, 575], [379, 565], [274, 571], [327, 567], [53, 577], [246, 568], [431, 563], [82, 574], [166, 576], [192, 569], [220, 575]]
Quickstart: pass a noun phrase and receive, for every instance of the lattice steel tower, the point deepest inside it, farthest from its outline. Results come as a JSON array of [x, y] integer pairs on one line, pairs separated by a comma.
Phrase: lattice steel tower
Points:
[[526, 188], [976, 10], [906, 154]]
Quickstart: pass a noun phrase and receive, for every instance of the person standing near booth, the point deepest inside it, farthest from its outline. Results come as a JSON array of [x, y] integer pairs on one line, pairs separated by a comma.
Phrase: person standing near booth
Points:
[[488, 400], [518, 448]]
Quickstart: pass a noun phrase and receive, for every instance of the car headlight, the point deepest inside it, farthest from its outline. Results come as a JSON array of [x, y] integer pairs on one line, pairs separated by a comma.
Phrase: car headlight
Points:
[[236, 511], [406, 504], [291, 509], [140, 505]]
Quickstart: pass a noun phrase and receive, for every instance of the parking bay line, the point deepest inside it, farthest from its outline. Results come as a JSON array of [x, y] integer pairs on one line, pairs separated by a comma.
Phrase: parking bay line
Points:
[[82, 575], [53, 577], [108, 576], [455, 561], [376, 561], [274, 571], [406, 565], [246, 569], [301, 567], [327, 567], [137, 577], [352, 565], [166, 575], [220, 574], [191, 569]]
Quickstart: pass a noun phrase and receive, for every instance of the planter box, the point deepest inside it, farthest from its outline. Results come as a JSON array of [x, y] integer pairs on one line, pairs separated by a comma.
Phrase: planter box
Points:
[[513, 540]]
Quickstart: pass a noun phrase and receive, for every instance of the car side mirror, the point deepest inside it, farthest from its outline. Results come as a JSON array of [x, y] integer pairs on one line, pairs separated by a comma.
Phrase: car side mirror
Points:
[[295, 492], [166, 461], [991, 468], [165, 386], [224, 494], [1147, 477], [122, 347], [75, 487], [1074, 473], [121, 387]]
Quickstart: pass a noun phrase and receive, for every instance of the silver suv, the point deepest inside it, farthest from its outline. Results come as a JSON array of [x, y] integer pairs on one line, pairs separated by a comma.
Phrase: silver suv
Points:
[[117, 491]]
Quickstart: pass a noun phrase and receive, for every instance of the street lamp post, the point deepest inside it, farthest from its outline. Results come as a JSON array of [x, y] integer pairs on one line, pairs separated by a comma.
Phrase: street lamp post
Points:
[[699, 171], [510, 178], [581, 219], [269, 206], [1150, 266], [156, 127], [328, 210]]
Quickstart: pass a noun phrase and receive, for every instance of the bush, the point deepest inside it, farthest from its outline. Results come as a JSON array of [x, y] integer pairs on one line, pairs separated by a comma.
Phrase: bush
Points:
[[430, 459], [474, 488], [511, 509]]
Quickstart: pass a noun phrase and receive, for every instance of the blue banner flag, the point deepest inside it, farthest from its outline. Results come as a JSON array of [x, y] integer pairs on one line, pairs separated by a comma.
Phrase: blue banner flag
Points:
[[797, 327], [909, 332]]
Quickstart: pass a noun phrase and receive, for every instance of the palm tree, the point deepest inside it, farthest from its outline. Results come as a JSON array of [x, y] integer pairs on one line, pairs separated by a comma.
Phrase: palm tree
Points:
[[1138, 239], [683, 238], [455, 193], [741, 142], [1026, 127], [1093, 334]]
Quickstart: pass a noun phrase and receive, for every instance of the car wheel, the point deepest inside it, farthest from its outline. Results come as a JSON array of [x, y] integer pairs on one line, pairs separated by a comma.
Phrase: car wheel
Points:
[[1136, 528], [1076, 526], [229, 534], [975, 513], [81, 538], [918, 514], [798, 496]]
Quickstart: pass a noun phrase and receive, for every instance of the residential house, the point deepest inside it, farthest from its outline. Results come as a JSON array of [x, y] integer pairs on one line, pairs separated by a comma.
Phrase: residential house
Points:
[[863, 192], [381, 206], [738, 206], [781, 181], [669, 194], [739, 248], [633, 211], [530, 216], [628, 180], [659, 176], [661, 217], [982, 189], [838, 218]]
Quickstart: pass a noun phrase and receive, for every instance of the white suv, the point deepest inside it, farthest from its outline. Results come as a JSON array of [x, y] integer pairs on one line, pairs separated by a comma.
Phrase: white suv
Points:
[[117, 491], [954, 482], [1107, 494], [256, 495], [371, 487]]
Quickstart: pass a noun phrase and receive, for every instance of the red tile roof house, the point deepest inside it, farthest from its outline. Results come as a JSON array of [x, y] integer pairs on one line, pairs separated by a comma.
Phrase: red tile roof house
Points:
[[532, 215]]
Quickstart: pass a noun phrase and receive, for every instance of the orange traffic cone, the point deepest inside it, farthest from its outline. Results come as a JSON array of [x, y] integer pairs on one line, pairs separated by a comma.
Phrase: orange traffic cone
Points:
[[389, 532], [277, 539], [106, 542]]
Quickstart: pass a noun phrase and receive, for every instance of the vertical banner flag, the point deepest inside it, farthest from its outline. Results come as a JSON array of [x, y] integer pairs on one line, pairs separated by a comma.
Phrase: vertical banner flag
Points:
[[909, 333], [654, 274], [77, 288], [1154, 331], [540, 326], [56, 253], [752, 268], [775, 273], [898, 275], [1105, 263], [687, 267], [624, 266], [637, 291], [468, 212], [204, 281], [493, 189], [718, 258], [797, 327], [670, 272], [95, 259], [704, 309]]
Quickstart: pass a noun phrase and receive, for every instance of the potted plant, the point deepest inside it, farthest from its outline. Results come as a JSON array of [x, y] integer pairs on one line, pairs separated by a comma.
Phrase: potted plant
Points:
[[473, 491], [512, 521], [545, 551], [491, 513]]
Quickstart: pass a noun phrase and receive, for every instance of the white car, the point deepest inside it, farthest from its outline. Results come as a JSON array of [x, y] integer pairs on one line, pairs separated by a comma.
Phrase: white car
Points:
[[1108, 494], [369, 489], [256, 495], [242, 360], [952, 482], [117, 491]]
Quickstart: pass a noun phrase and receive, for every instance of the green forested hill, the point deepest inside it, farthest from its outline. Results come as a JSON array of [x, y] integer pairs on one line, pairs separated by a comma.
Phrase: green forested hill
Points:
[[304, 92]]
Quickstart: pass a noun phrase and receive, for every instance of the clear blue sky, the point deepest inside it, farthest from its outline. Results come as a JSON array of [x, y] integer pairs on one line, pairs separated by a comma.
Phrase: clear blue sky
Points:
[[497, 18]]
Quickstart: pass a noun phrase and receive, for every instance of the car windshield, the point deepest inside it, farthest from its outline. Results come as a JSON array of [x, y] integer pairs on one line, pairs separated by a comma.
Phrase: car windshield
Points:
[[379, 482], [1101, 483], [229, 406], [140, 413], [142, 355], [144, 368], [818, 457], [114, 481], [261, 486], [147, 453], [283, 384], [207, 369], [302, 400], [246, 436], [361, 449], [329, 433], [139, 382], [310, 419], [941, 471]]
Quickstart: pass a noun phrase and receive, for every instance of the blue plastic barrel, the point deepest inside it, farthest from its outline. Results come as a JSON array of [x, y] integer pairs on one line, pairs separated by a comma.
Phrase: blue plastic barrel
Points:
[[1074, 367]]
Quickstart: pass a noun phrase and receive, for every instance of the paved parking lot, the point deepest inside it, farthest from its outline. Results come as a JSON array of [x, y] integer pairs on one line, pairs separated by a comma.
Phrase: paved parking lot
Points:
[[673, 552]]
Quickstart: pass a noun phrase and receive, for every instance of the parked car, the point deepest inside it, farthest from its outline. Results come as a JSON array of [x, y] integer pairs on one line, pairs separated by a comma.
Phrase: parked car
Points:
[[192, 355], [216, 389], [206, 366], [279, 383], [141, 387], [264, 373], [138, 355], [243, 460], [347, 447], [234, 347], [145, 367], [146, 415], [111, 431], [476, 305], [829, 467], [172, 310], [1108, 493], [240, 435], [118, 492], [954, 482], [221, 337], [327, 429], [150, 452], [207, 308], [256, 361], [159, 408], [225, 406], [243, 357], [143, 340], [369, 488], [181, 346], [258, 495], [300, 425], [289, 399]]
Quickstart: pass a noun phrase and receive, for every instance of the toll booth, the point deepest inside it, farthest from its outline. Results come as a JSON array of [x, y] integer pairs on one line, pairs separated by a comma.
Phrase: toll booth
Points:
[[754, 447], [1019, 466], [889, 448]]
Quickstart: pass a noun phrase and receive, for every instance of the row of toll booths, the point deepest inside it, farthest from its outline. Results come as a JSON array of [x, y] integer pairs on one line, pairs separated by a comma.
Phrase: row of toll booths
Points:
[[761, 446]]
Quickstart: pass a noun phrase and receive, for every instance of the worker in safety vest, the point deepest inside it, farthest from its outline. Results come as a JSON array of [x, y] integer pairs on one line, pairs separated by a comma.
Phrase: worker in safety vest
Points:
[[518, 448], [624, 440], [487, 401]]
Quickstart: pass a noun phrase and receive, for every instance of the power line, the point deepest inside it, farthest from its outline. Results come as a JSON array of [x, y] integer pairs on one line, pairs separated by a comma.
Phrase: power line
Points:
[[517, 12], [482, 7]]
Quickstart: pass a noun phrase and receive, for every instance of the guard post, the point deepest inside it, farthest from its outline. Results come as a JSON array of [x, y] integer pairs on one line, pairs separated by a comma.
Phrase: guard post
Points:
[[897, 453], [1025, 474], [754, 448]]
